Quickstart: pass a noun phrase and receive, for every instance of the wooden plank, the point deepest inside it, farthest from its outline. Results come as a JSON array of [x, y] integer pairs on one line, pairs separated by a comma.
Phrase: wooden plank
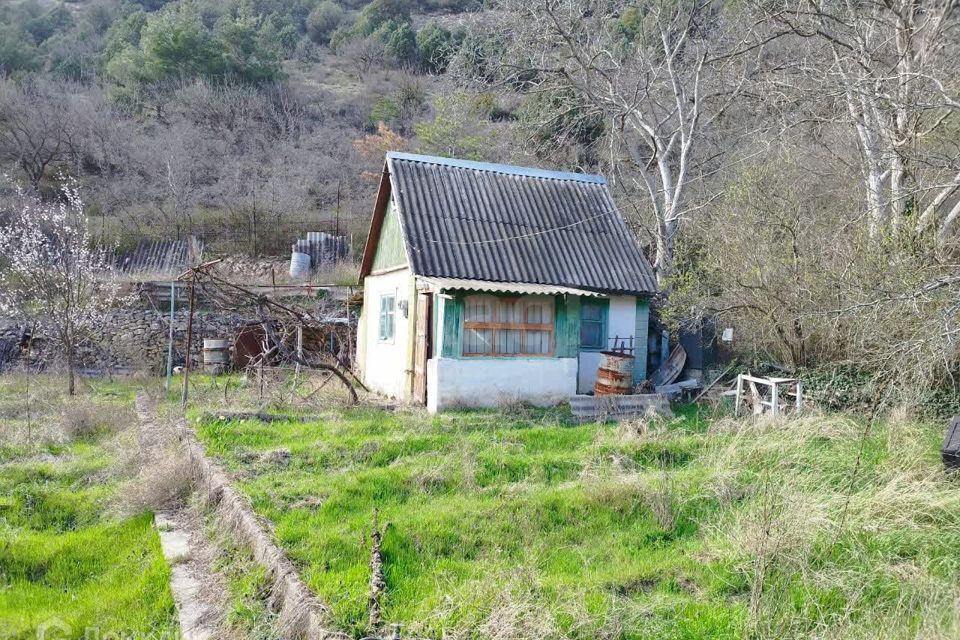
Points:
[[671, 369], [715, 381], [640, 334], [567, 329], [376, 223], [736, 406], [422, 347]]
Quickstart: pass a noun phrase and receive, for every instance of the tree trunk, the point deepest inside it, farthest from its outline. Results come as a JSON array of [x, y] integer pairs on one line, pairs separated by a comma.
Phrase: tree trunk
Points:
[[71, 374], [663, 262]]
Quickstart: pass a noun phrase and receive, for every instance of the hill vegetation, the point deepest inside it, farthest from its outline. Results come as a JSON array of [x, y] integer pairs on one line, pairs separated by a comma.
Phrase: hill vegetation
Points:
[[244, 122], [795, 182]]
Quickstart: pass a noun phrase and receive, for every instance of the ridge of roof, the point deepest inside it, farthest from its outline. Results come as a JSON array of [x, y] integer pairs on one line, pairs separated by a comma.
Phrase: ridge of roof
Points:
[[508, 169]]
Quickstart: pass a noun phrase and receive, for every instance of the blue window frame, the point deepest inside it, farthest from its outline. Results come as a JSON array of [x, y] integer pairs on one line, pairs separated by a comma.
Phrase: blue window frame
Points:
[[593, 324]]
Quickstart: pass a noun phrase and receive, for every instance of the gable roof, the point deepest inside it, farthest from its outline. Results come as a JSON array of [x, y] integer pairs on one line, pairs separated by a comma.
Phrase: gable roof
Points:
[[480, 221]]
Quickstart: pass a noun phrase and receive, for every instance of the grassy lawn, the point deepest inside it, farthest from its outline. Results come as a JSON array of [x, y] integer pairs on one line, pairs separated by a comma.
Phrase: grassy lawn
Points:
[[525, 526], [70, 552]]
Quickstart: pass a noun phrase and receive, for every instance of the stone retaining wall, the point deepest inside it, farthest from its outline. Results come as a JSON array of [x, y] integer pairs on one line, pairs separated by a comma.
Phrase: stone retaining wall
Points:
[[300, 614], [136, 339]]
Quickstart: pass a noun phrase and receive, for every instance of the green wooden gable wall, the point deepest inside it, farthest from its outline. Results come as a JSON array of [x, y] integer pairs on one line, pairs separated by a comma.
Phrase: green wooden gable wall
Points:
[[390, 252]]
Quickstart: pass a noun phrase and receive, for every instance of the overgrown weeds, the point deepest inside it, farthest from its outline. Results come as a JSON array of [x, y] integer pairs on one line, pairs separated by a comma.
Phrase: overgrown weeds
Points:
[[66, 553], [515, 524], [826, 553], [164, 482], [248, 613]]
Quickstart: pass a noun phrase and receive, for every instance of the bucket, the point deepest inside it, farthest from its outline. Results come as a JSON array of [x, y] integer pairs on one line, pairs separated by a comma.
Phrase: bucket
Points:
[[615, 375], [299, 265], [216, 356]]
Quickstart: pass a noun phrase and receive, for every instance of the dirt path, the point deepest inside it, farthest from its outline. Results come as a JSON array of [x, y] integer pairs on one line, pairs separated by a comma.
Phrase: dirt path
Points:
[[198, 590]]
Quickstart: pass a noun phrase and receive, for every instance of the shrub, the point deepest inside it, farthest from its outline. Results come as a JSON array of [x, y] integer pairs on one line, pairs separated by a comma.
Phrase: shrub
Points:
[[323, 21], [79, 419], [163, 483], [380, 12], [83, 418], [400, 43], [436, 45]]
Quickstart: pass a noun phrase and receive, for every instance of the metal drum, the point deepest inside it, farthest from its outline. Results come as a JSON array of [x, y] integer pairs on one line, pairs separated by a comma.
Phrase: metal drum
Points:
[[615, 375], [299, 265], [216, 356]]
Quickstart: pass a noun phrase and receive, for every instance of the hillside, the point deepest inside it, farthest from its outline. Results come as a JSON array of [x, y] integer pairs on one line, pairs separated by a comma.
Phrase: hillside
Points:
[[244, 123], [797, 185]]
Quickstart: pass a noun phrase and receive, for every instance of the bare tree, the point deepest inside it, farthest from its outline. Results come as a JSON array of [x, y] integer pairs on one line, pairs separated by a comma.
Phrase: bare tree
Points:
[[53, 275], [893, 66], [783, 261], [658, 73], [37, 126]]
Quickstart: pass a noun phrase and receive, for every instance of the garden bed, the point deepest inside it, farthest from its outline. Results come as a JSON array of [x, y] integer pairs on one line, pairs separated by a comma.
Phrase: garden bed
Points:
[[77, 556], [526, 525]]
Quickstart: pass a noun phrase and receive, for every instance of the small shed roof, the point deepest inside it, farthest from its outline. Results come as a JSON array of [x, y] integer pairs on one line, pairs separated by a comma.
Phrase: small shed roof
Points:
[[161, 257], [500, 223]]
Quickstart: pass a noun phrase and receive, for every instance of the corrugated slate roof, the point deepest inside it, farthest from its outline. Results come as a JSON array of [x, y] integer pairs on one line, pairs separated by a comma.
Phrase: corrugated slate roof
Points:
[[481, 221], [161, 257]]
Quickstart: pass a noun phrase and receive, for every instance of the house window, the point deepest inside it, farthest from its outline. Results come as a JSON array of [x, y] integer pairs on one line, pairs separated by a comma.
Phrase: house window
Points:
[[593, 324], [387, 313], [516, 326]]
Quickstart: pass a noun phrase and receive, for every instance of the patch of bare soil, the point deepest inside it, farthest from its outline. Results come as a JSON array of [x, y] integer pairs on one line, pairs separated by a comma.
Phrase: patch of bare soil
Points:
[[200, 591]]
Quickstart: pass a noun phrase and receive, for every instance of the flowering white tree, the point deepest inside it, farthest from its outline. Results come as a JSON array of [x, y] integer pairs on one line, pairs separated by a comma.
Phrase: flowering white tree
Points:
[[52, 273]]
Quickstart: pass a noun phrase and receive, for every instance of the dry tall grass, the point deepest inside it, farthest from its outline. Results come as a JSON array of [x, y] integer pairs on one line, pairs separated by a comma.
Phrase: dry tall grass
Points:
[[817, 522]]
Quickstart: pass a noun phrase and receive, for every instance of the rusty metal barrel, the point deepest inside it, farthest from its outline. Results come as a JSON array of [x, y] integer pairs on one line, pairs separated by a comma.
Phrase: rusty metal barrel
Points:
[[615, 375], [216, 356]]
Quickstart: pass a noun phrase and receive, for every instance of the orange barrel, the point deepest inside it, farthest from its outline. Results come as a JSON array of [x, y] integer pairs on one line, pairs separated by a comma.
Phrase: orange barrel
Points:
[[615, 375]]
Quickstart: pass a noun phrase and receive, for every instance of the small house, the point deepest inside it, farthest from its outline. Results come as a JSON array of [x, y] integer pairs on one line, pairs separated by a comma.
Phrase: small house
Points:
[[487, 283]]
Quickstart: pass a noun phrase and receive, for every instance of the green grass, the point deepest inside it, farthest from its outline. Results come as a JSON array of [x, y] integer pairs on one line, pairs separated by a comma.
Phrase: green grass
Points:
[[247, 614], [516, 527], [66, 556], [476, 507]]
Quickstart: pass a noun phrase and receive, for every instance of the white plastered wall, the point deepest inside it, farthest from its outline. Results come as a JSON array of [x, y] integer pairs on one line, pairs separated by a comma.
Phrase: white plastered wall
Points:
[[386, 363], [621, 321], [489, 382]]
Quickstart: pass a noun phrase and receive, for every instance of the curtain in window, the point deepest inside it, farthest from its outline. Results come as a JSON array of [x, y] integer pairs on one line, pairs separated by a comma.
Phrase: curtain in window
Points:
[[386, 317], [514, 326]]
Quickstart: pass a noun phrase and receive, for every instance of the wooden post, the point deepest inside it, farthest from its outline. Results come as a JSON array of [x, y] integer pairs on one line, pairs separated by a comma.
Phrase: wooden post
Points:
[[170, 339], [296, 369], [736, 404], [260, 380], [774, 398], [186, 365], [299, 348], [799, 396]]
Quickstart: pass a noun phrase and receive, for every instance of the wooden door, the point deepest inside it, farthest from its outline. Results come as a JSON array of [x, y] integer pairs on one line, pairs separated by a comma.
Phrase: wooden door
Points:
[[421, 349]]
